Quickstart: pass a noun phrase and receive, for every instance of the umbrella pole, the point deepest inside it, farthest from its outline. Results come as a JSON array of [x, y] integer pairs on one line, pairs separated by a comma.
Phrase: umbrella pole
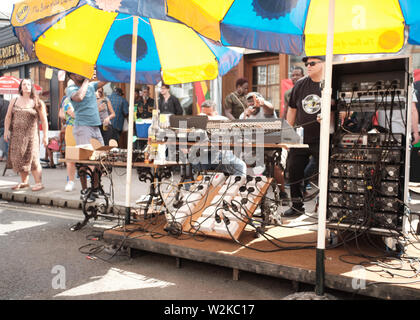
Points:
[[130, 120], [323, 154]]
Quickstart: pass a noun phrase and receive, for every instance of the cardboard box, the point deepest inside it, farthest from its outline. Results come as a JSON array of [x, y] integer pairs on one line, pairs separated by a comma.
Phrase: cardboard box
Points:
[[78, 152], [85, 152]]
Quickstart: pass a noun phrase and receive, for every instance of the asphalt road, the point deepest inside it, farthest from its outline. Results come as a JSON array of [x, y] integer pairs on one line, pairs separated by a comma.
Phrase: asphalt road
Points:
[[43, 260]]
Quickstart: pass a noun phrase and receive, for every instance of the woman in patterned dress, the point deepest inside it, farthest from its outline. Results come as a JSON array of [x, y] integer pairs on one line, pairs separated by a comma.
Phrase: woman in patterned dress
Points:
[[21, 130]]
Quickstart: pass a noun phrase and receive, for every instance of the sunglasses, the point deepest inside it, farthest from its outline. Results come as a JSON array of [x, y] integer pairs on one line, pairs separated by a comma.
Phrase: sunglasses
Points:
[[312, 63]]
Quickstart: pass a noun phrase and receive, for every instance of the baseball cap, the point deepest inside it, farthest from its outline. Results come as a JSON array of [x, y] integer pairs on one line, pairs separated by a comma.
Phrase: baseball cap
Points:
[[251, 94], [322, 58]]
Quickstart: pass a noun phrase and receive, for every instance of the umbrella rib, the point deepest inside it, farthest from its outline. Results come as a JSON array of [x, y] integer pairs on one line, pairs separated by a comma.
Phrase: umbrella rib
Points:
[[130, 17]]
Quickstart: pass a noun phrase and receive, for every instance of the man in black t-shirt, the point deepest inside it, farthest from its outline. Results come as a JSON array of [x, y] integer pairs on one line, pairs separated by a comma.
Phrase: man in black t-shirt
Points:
[[304, 107], [145, 104]]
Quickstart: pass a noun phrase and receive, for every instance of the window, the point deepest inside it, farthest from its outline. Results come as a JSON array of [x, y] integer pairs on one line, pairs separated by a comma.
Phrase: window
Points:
[[12, 73], [37, 75], [265, 80]]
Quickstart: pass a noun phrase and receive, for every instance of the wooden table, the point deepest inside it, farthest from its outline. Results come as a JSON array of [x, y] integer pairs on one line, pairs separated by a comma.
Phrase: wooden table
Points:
[[152, 172]]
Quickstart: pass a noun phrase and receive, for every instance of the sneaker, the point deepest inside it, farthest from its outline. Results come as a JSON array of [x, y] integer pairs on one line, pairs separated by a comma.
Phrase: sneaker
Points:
[[293, 212], [69, 186]]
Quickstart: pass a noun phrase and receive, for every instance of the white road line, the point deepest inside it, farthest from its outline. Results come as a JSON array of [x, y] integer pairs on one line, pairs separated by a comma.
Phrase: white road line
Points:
[[44, 212]]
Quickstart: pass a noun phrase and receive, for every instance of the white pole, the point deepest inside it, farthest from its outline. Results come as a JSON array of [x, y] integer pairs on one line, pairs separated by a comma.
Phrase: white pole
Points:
[[323, 152], [131, 118]]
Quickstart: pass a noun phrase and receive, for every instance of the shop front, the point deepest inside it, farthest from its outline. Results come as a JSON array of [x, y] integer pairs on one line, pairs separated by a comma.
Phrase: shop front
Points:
[[14, 61]]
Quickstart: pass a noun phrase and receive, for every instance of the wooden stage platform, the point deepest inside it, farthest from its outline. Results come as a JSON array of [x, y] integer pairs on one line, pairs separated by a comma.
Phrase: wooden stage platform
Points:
[[390, 281]]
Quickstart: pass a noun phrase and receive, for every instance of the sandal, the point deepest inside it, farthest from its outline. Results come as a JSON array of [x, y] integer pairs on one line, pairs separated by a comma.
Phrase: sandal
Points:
[[20, 186], [37, 187]]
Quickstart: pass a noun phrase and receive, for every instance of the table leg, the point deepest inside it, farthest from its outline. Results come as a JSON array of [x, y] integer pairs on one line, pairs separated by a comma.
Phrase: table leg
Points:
[[91, 210]]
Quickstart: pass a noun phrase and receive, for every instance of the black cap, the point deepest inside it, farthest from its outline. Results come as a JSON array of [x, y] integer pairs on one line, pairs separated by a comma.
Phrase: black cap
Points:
[[322, 58]]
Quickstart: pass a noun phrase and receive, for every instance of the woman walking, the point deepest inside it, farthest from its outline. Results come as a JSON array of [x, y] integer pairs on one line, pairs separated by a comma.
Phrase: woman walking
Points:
[[106, 113], [21, 130]]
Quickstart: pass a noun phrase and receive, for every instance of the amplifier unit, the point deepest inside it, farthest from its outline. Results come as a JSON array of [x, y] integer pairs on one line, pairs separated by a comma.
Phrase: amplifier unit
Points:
[[371, 140], [348, 200], [364, 218], [363, 170], [366, 155]]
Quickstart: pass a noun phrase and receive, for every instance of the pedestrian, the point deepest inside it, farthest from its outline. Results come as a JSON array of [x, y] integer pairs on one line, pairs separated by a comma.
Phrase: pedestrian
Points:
[[82, 94], [53, 146], [120, 106], [4, 146], [137, 95], [145, 104], [169, 104], [106, 113], [235, 102], [66, 113], [297, 73], [222, 160], [21, 130], [304, 107], [259, 108]]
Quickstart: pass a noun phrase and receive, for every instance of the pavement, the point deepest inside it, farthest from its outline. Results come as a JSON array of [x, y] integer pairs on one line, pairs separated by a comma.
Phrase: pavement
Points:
[[54, 181]]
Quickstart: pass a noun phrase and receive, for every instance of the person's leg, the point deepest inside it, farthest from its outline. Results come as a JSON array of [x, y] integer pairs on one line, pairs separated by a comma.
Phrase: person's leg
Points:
[[308, 172], [70, 166], [298, 160], [50, 157], [71, 173], [71, 170], [24, 177], [232, 164], [279, 177], [37, 174]]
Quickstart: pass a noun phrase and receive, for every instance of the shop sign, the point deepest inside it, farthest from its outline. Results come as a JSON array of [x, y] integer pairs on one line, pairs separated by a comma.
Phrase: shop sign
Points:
[[27, 11], [13, 54]]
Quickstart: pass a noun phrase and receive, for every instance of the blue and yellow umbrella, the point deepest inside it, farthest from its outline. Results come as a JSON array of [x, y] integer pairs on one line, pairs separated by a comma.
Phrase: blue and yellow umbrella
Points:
[[120, 41], [300, 26], [313, 28], [85, 37]]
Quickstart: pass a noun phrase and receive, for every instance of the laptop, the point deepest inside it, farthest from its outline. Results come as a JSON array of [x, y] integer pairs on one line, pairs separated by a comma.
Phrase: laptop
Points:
[[188, 121]]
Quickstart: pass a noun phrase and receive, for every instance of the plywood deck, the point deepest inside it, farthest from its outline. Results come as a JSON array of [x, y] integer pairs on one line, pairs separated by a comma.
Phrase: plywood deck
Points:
[[265, 258]]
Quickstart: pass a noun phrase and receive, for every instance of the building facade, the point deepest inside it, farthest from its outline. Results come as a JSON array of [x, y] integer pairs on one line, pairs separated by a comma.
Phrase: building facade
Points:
[[14, 61]]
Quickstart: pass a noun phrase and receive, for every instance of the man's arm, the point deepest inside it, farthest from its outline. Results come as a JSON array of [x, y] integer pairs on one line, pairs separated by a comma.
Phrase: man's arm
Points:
[[228, 109], [267, 107], [80, 94], [178, 108], [291, 116], [101, 84]]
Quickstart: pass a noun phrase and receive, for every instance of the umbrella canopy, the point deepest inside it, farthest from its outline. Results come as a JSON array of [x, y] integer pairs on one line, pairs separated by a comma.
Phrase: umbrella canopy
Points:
[[313, 28], [119, 42], [300, 26], [10, 85], [84, 39]]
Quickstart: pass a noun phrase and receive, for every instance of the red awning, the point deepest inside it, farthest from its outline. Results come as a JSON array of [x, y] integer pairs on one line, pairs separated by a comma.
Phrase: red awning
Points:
[[10, 85]]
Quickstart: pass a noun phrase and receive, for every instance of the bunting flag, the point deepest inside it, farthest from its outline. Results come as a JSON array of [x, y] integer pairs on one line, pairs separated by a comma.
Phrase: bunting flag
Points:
[[286, 84], [202, 93]]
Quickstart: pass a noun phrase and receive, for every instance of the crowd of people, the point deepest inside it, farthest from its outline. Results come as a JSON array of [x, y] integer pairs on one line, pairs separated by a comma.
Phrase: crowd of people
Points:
[[87, 113]]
